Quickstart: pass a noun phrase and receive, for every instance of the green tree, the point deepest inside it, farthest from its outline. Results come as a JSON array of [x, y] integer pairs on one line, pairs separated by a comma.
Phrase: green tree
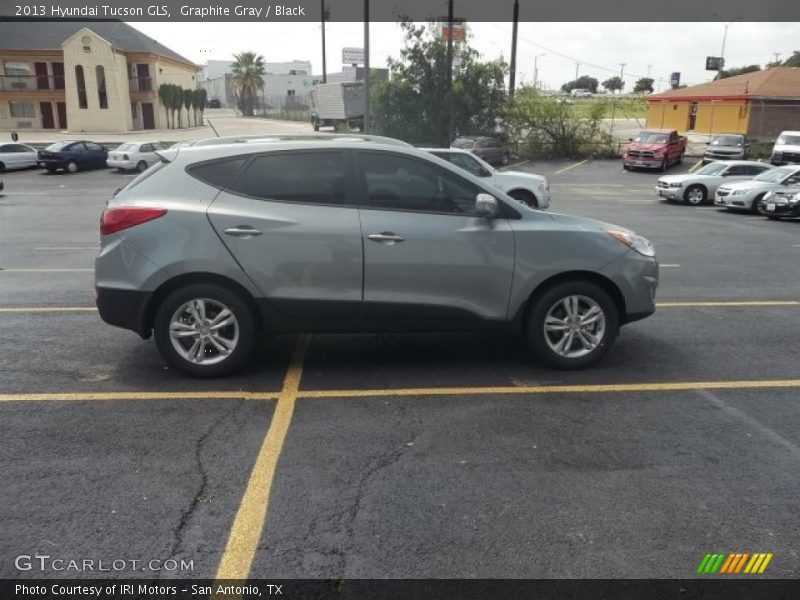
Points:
[[248, 78], [202, 102], [415, 105], [645, 84], [737, 71], [614, 84], [175, 99], [163, 98], [187, 96], [793, 60], [584, 82], [547, 126]]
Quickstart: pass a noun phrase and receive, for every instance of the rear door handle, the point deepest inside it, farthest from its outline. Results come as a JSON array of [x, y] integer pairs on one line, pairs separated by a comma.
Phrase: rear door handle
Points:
[[243, 231], [385, 236]]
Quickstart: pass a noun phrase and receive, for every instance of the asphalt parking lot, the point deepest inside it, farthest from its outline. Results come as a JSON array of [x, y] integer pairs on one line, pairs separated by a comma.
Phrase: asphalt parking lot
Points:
[[408, 455]]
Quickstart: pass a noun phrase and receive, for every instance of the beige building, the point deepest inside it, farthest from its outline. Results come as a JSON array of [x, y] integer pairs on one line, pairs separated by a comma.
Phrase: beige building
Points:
[[85, 77]]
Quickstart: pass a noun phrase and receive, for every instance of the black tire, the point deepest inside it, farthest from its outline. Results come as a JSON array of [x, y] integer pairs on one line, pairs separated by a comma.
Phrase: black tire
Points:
[[773, 218], [756, 202], [2, 167], [505, 159], [218, 294], [72, 167], [549, 300], [51, 169], [664, 165], [625, 167], [526, 197], [141, 166], [695, 195]]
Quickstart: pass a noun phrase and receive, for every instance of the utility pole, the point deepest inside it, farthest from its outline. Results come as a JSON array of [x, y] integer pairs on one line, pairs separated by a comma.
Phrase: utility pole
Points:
[[449, 45], [366, 67], [323, 17], [577, 68], [722, 52], [536, 70], [621, 71], [513, 74], [777, 57], [648, 70]]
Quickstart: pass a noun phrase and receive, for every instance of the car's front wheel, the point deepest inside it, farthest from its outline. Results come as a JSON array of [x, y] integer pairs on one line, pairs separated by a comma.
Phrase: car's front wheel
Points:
[[204, 330], [695, 195], [755, 207], [572, 325], [141, 167]]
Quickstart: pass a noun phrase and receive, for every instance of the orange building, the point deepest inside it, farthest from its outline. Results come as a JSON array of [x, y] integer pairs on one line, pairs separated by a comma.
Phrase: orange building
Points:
[[759, 104]]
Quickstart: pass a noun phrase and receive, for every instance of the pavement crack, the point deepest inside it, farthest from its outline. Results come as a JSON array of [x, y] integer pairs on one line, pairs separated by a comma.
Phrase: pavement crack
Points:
[[188, 512]]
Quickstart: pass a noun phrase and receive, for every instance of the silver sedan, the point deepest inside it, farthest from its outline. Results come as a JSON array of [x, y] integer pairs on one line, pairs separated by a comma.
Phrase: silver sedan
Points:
[[700, 186], [134, 155], [746, 195], [17, 156]]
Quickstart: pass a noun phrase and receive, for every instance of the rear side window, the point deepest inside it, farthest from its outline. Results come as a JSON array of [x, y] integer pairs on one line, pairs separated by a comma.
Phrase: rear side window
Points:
[[217, 173], [307, 177]]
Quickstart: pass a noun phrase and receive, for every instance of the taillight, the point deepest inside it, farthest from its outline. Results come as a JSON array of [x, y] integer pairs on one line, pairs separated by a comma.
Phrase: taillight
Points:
[[117, 219]]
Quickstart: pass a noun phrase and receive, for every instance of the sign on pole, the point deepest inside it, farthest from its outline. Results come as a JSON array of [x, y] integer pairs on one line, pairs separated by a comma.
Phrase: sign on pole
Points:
[[714, 63], [675, 79], [352, 56]]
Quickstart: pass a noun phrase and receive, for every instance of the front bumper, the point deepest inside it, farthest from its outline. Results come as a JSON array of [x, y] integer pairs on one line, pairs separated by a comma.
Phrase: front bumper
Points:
[[740, 202], [636, 276], [780, 209], [670, 193], [643, 163]]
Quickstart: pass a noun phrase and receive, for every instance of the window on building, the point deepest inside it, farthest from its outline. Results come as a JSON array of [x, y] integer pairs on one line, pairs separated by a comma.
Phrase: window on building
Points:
[[21, 109], [81, 82], [290, 92], [102, 96], [17, 68], [134, 112]]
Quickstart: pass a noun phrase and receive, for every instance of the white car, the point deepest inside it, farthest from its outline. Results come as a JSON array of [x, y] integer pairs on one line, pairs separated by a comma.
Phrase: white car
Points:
[[746, 195], [17, 156], [786, 149], [700, 186], [134, 155], [532, 190]]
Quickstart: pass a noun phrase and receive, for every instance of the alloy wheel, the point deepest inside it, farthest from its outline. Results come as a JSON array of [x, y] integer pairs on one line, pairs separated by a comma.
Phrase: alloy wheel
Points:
[[204, 331], [574, 326]]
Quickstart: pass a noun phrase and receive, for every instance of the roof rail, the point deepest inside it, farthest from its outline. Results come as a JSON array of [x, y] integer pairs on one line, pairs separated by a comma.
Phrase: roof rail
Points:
[[299, 137]]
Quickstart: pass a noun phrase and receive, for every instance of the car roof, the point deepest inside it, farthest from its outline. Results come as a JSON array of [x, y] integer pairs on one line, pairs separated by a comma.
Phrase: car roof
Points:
[[296, 137], [742, 162], [438, 149], [789, 133]]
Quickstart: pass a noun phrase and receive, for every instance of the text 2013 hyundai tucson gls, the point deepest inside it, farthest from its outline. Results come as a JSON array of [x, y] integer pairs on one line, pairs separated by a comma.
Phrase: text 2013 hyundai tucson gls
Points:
[[349, 234]]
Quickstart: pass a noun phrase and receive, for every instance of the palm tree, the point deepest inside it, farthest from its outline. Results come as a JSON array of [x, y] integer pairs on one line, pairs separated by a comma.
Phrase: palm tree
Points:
[[248, 78]]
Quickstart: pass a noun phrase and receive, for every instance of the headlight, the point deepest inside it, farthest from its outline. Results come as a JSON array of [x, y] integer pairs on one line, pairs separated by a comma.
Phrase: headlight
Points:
[[794, 199], [641, 245], [676, 184], [738, 192]]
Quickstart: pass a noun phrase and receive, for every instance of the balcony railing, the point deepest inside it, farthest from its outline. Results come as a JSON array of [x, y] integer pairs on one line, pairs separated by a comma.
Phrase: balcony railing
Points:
[[141, 84], [12, 83]]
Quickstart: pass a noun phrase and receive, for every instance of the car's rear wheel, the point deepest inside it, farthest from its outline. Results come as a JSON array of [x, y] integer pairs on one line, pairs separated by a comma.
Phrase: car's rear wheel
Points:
[[204, 330], [524, 196], [695, 195], [72, 167], [141, 166], [572, 325], [680, 158]]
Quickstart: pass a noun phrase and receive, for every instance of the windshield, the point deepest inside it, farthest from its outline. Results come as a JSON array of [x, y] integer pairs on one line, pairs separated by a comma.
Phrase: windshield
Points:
[[774, 175], [727, 140], [58, 146], [712, 169], [465, 144], [789, 140], [652, 138]]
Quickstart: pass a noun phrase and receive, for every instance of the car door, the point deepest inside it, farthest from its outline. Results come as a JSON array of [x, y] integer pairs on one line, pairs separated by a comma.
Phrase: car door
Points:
[[8, 156], [97, 154], [28, 155], [78, 154], [426, 255], [291, 221]]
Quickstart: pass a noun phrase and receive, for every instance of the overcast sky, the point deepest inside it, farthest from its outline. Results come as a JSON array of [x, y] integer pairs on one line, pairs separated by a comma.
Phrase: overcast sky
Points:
[[657, 48]]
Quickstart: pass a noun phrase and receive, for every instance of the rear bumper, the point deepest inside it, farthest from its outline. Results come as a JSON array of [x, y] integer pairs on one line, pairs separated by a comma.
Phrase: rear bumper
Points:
[[124, 308], [119, 163]]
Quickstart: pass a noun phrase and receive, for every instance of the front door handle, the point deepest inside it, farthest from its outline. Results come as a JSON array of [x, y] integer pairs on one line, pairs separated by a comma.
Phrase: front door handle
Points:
[[385, 236], [243, 231]]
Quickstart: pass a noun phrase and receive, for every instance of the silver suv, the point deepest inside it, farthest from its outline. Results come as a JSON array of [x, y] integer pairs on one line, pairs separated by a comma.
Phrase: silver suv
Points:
[[222, 240]]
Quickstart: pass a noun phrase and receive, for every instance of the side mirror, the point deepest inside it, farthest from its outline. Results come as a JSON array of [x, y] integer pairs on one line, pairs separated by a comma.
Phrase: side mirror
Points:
[[486, 206]]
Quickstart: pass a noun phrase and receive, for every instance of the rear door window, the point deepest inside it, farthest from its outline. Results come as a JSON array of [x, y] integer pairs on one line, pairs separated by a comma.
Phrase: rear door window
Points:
[[302, 177], [218, 173]]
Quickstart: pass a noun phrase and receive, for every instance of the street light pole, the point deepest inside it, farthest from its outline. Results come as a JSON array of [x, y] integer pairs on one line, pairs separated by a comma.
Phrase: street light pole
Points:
[[324, 67], [365, 127], [513, 68]]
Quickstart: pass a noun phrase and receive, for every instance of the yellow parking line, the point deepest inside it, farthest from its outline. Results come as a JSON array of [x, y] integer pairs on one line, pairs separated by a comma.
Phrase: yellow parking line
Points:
[[250, 518], [583, 162], [46, 270], [733, 303], [220, 395], [674, 386], [697, 164], [46, 309]]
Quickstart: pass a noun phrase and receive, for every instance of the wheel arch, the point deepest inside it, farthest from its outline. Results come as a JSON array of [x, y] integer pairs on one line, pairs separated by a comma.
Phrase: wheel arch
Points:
[[169, 286], [601, 281], [524, 191]]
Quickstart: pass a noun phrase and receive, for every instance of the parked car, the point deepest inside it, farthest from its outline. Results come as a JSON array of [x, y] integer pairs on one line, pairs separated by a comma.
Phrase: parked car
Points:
[[654, 149], [747, 195], [17, 156], [700, 186], [134, 155], [215, 243], [728, 146], [487, 148], [73, 156], [782, 203], [786, 149], [581, 93], [532, 190]]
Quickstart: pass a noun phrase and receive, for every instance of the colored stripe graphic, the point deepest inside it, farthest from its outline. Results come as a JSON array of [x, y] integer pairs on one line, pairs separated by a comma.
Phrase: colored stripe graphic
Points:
[[741, 562], [731, 563]]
